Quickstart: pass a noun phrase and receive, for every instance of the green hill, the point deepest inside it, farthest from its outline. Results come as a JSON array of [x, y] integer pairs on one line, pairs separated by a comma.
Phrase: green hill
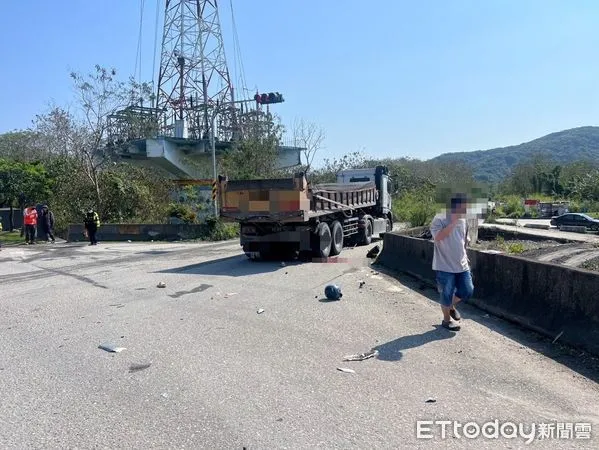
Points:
[[576, 144]]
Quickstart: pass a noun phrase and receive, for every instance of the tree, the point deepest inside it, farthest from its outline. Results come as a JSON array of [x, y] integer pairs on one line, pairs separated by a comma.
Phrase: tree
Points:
[[22, 182], [328, 173], [20, 145], [134, 194], [309, 137], [83, 136], [256, 155]]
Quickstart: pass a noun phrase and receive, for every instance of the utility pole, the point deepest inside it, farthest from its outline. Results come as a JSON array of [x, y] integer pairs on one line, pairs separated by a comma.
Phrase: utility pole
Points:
[[213, 145]]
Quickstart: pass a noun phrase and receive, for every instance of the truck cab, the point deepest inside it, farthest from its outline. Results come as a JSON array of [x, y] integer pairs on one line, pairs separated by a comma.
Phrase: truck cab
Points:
[[380, 175]]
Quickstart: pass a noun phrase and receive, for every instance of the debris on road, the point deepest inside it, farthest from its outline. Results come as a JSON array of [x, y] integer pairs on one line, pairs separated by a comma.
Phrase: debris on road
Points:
[[230, 294], [431, 400], [362, 283], [557, 337], [260, 311], [165, 395], [373, 252], [333, 292], [394, 289], [343, 369], [111, 348], [139, 367], [129, 240], [361, 356], [162, 284]]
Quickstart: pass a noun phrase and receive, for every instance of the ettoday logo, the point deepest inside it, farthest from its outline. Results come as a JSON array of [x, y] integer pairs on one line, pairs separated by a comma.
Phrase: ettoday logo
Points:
[[428, 429]]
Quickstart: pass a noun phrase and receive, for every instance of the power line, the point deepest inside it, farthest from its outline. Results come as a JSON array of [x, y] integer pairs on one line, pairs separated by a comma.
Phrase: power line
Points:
[[155, 43], [139, 43], [237, 51]]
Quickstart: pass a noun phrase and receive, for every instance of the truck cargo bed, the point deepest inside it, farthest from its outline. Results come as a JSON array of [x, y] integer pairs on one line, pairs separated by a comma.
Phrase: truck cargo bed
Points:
[[291, 199], [341, 196]]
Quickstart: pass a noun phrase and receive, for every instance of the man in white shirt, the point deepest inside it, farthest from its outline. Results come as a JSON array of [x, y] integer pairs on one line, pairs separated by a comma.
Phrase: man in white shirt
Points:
[[450, 259]]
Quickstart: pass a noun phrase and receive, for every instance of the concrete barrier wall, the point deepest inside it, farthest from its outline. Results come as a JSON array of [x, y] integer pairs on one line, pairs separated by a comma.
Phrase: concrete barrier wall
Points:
[[5, 218], [140, 232], [544, 297]]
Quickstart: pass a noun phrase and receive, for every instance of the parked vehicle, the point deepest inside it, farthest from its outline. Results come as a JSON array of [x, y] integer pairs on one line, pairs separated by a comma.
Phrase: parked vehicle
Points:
[[575, 219], [279, 217]]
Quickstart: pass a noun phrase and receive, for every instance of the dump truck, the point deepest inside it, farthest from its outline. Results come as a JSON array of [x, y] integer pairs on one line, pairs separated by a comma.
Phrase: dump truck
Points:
[[281, 217]]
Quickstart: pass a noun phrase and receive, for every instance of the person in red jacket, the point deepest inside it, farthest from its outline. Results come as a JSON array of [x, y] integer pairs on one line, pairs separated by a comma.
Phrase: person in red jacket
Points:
[[30, 217]]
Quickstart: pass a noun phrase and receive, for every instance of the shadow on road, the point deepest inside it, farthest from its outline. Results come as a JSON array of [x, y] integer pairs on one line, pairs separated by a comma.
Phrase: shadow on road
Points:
[[232, 266], [392, 351], [577, 360]]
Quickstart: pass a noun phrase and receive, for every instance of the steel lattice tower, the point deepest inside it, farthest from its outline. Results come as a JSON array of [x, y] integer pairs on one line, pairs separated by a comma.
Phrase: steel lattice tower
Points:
[[193, 81]]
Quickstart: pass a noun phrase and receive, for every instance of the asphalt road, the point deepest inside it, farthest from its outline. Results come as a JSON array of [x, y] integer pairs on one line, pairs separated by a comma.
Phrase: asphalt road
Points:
[[222, 376]]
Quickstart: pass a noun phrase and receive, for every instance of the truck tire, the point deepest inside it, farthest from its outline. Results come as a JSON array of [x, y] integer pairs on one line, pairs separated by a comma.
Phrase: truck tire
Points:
[[337, 238], [323, 240], [366, 233]]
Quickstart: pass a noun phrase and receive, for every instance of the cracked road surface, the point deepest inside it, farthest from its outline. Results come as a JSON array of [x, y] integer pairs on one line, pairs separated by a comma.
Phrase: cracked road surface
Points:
[[201, 369]]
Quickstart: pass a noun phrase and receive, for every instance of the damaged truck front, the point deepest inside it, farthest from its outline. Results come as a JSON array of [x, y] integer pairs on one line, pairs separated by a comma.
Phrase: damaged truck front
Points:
[[279, 217]]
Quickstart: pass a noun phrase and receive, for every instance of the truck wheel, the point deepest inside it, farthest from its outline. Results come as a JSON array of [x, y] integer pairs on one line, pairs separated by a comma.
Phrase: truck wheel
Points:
[[366, 233], [323, 240], [337, 235]]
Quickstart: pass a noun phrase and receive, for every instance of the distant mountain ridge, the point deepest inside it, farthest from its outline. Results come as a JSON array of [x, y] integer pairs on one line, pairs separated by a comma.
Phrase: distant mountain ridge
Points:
[[563, 147]]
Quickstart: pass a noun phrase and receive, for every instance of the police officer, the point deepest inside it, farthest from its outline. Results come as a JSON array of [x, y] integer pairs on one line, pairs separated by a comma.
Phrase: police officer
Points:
[[92, 223]]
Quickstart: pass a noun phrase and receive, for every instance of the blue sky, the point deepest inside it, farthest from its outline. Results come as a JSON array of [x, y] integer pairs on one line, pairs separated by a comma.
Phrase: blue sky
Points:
[[398, 78]]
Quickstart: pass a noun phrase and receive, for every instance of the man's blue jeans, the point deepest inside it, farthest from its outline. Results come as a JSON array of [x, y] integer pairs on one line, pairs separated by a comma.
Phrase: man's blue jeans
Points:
[[458, 284]]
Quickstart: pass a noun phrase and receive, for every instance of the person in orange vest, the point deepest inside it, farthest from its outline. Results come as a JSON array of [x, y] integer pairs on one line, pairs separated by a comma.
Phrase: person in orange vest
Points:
[[30, 224]]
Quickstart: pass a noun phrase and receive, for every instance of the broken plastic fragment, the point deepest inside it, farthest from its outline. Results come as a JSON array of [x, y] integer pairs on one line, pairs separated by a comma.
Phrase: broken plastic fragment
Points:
[[557, 337], [373, 252], [260, 311], [361, 356], [343, 369], [138, 367], [111, 348], [162, 284]]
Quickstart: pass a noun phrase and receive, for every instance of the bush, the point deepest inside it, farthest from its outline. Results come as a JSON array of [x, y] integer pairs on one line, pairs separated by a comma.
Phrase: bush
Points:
[[491, 218], [182, 212], [584, 206], [417, 208], [516, 247], [220, 231], [513, 207]]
